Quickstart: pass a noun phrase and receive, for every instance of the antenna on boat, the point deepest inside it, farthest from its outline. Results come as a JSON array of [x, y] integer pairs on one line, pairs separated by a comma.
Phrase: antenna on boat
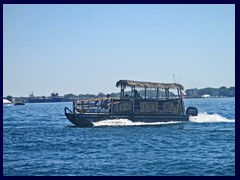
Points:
[[174, 78]]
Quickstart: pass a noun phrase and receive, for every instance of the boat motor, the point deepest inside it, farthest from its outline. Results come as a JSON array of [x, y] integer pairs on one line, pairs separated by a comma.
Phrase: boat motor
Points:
[[192, 111]]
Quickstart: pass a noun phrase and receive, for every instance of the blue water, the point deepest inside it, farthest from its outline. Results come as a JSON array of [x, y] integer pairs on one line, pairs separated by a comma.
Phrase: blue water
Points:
[[39, 140]]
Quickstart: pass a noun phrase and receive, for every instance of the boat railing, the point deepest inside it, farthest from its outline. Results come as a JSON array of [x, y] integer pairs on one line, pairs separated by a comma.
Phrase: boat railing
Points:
[[152, 106], [67, 109], [95, 105], [127, 105]]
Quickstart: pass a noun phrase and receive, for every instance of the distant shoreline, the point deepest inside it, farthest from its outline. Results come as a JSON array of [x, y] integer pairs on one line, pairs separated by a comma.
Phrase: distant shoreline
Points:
[[222, 92], [207, 97]]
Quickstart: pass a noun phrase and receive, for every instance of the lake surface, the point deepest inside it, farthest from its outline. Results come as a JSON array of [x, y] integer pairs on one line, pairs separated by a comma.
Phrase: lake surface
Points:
[[38, 140]]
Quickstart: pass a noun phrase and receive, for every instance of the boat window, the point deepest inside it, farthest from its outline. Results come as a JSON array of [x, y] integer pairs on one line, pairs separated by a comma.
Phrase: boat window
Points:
[[173, 94]]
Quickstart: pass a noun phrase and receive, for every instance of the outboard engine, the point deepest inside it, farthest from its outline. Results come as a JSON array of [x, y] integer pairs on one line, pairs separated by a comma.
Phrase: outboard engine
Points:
[[192, 111]]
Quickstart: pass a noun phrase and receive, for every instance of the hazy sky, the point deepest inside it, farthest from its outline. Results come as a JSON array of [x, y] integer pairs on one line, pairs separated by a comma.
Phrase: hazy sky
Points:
[[87, 48]]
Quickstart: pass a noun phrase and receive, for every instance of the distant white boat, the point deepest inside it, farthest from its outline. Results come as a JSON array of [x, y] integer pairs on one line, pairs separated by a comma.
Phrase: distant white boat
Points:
[[5, 101]]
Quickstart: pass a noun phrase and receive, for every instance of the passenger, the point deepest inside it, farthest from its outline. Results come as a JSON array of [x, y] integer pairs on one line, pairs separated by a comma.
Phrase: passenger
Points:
[[137, 95], [127, 96], [107, 102]]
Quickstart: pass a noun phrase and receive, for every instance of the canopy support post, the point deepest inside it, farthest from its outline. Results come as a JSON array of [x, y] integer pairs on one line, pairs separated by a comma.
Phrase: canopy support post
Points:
[[145, 92]]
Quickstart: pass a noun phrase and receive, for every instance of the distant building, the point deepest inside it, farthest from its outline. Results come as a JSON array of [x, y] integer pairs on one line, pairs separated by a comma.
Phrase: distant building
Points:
[[206, 96]]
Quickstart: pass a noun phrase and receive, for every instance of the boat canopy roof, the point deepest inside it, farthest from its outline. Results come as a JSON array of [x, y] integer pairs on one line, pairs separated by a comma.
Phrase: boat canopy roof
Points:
[[140, 84]]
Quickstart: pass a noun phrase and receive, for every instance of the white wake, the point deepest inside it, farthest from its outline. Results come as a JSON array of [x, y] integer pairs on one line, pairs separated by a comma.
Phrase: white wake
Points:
[[127, 122], [201, 118], [204, 117]]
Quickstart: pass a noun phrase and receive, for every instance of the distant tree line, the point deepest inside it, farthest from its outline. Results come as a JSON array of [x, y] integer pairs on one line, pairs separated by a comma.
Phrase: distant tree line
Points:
[[190, 93], [214, 92], [10, 98], [85, 96], [149, 93]]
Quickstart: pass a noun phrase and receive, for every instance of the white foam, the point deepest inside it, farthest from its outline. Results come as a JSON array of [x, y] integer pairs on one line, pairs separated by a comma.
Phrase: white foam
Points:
[[127, 122], [201, 118], [204, 117]]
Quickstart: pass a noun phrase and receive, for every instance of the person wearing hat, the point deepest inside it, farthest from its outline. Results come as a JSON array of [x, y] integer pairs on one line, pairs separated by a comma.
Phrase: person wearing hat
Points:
[[107, 102]]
